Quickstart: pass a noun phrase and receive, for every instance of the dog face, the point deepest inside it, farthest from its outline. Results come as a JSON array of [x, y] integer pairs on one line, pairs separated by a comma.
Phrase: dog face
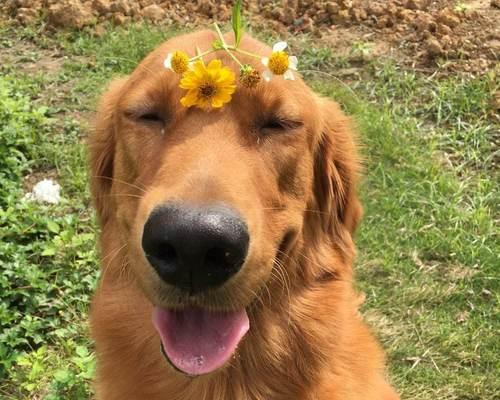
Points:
[[209, 203]]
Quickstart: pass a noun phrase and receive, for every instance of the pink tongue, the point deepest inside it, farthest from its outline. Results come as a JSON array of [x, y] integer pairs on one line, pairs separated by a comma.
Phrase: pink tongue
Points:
[[198, 341]]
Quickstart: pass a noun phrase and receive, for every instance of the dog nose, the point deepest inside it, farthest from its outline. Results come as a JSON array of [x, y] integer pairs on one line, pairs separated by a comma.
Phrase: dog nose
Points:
[[195, 247]]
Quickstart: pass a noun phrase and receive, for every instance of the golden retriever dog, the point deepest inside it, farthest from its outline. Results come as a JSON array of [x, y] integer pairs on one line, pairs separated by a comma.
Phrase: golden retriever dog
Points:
[[227, 243]]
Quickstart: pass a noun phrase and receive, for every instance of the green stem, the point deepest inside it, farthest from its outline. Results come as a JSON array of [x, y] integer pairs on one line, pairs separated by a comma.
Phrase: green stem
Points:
[[225, 47], [245, 52], [233, 57], [228, 49], [224, 44], [200, 55]]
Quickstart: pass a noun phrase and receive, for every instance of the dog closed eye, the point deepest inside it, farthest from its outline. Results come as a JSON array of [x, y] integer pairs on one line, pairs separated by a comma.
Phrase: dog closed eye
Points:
[[146, 116], [277, 125], [151, 117]]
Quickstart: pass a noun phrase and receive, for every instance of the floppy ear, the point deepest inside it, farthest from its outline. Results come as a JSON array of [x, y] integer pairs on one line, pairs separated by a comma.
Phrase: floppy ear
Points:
[[336, 172], [101, 151]]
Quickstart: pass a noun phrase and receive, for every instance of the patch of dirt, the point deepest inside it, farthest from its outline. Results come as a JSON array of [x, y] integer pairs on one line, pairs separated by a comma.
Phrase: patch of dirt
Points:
[[423, 33], [456, 35], [29, 58], [33, 178]]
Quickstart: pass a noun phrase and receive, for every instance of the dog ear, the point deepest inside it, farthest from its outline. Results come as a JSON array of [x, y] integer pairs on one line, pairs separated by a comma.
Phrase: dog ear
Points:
[[336, 173], [101, 150]]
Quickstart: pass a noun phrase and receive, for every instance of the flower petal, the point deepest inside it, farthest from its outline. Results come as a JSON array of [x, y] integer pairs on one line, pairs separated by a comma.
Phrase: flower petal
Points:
[[217, 102], [189, 81], [203, 103], [267, 75], [224, 76], [215, 64], [225, 96], [293, 61], [280, 46], [199, 69], [265, 60], [168, 61], [190, 99], [288, 75]]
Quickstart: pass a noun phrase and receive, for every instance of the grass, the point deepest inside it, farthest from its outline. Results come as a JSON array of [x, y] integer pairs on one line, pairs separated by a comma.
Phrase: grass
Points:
[[428, 246]]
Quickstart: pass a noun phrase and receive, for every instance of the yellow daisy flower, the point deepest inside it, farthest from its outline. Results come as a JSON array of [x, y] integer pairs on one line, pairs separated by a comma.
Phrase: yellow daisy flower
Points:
[[177, 61], [279, 63], [208, 86]]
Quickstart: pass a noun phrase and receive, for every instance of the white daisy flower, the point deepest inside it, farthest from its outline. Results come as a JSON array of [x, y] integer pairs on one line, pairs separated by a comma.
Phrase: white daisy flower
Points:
[[279, 63], [178, 61]]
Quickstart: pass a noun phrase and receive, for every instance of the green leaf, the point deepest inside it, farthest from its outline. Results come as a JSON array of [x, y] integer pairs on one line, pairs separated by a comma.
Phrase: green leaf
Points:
[[53, 226], [82, 351], [62, 376], [30, 387], [49, 251], [236, 22], [42, 110]]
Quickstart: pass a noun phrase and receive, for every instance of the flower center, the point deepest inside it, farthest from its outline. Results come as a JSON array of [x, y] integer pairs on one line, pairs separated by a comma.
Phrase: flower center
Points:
[[278, 62], [180, 62], [249, 78], [206, 90]]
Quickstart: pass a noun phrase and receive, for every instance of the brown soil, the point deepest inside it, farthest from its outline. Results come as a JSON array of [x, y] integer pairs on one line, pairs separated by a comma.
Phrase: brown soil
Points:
[[33, 178], [455, 35], [29, 57]]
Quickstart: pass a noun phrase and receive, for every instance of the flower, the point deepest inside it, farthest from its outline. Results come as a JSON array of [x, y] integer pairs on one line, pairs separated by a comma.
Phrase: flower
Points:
[[208, 86], [45, 191], [279, 63], [177, 62], [249, 77]]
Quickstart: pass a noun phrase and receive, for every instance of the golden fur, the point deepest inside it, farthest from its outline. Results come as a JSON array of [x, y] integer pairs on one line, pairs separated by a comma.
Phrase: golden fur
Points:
[[297, 192]]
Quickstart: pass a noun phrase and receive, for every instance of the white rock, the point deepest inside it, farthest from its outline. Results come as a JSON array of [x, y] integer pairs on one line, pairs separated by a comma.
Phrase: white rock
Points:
[[46, 191]]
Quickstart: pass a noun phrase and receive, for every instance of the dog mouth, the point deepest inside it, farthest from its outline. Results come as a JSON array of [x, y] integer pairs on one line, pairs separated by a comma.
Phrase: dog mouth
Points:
[[197, 341]]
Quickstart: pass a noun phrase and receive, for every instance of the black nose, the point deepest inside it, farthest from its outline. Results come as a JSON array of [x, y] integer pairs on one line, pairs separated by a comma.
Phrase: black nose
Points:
[[195, 247]]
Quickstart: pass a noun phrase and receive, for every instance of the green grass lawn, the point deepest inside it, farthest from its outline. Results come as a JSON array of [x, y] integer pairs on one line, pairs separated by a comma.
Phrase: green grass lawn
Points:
[[428, 246]]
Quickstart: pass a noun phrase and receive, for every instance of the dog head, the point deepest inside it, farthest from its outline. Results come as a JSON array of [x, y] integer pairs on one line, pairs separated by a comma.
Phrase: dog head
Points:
[[212, 203]]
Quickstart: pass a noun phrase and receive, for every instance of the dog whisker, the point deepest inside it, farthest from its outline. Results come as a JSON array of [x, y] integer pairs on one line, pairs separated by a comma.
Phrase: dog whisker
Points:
[[279, 273], [122, 195], [266, 286], [286, 283], [306, 210], [258, 298], [317, 71], [119, 181], [113, 255], [112, 252]]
